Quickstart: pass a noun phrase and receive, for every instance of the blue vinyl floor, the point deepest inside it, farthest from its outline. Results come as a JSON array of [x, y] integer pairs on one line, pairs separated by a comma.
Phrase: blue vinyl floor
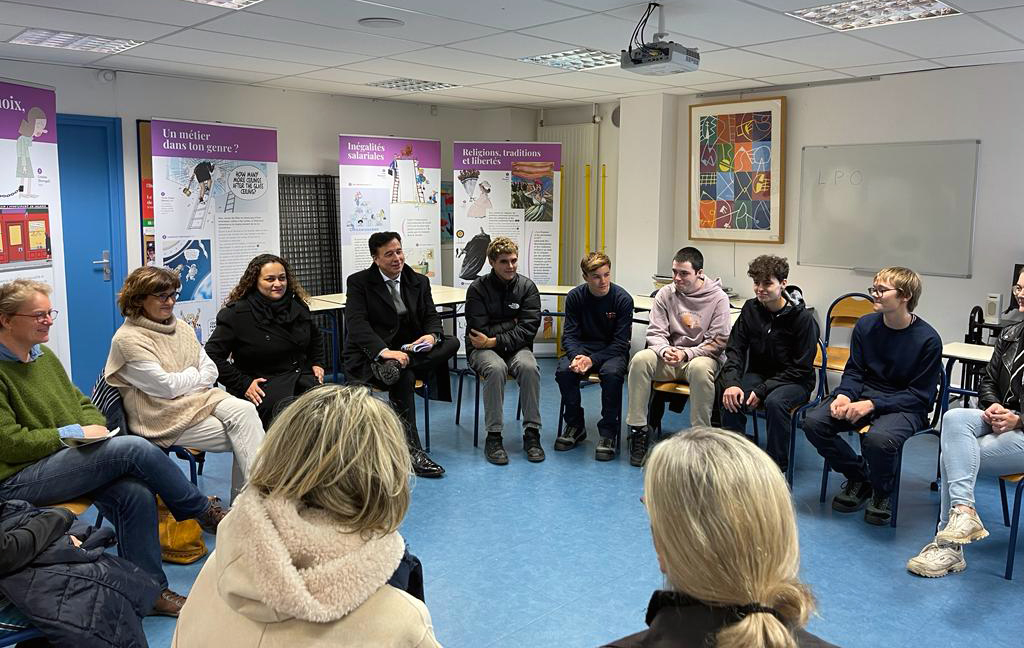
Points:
[[559, 553]]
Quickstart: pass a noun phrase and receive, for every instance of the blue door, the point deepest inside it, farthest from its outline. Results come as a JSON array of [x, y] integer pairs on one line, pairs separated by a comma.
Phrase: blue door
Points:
[[92, 208]]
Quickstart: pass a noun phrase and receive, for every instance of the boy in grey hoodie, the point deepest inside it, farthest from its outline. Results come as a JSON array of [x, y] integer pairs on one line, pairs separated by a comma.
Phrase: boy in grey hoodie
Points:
[[686, 337]]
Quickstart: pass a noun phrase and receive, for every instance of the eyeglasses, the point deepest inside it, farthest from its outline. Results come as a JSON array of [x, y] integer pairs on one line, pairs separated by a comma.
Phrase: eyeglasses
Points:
[[1016, 289], [878, 291], [166, 297], [41, 316]]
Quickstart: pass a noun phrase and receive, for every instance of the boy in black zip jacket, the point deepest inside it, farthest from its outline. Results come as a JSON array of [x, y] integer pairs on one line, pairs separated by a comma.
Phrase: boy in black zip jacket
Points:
[[770, 356]]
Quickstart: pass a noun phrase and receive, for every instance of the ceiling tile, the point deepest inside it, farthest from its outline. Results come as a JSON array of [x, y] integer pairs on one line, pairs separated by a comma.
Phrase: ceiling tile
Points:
[[200, 58], [501, 14], [345, 14], [82, 23], [511, 45], [730, 22], [891, 68], [422, 72], [608, 33], [447, 57], [982, 5], [1012, 56], [830, 51], [590, 81], [739, 63], [490, 94], [738, 84], [683, 78], [217, 42], [788, 5], [319, 85], [8, 32], [539, 89], [172, 13], [1008, 20], [243, 23], [45, 54], [805, 77], [175, 68], [345, 75], [946, 36], [600, 5]]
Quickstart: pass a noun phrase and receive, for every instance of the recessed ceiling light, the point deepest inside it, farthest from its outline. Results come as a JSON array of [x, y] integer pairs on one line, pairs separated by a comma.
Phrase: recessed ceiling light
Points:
[[576, 59], [381, 23], [72, 41], [227, 4], [411, 85], [844, 16]]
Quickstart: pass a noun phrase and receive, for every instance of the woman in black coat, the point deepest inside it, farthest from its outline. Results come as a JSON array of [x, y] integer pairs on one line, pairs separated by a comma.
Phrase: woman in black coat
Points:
[[266, 345]]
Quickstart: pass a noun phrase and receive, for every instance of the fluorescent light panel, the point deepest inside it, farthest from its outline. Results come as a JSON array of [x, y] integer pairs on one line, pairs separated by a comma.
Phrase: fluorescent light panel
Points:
[[576, 59], [845, 16], [411, 85], [73, 41], [227, 4]]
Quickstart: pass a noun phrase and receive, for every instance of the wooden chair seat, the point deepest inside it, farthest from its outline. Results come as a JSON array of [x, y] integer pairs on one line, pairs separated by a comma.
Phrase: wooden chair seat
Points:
[[594, 379], [1012, 478], [77, 506], [837, 357], [681, 389], [419, 385]]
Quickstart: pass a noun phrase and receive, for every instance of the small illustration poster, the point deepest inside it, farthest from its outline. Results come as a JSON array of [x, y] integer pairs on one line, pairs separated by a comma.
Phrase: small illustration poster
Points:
[[215, 201], [390, 184]]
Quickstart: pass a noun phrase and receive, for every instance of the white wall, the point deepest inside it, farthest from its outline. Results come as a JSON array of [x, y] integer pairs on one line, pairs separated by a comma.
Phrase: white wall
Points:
[[307, 123]]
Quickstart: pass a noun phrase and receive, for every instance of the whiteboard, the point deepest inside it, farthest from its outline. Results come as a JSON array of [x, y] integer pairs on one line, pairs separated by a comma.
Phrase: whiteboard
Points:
[[868, 206]]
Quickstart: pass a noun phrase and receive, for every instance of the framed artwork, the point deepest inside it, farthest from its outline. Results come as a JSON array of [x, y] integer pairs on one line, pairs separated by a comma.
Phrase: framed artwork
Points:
[[737, 171]]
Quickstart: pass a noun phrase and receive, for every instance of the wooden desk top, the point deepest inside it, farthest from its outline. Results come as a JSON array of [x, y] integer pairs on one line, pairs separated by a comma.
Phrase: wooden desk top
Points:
[[558, 291], [447, 295], [967, 352], [319, 304]]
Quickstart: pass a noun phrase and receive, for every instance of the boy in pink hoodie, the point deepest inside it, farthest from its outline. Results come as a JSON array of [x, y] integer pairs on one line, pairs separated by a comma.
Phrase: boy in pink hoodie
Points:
[[686, 338]]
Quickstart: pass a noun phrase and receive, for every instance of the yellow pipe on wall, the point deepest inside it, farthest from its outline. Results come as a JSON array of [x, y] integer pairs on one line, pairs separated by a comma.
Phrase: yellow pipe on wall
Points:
[[604, 180], [586, 217]]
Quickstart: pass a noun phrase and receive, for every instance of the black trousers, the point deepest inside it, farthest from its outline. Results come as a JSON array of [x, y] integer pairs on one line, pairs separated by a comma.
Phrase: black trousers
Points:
[[879, 446], [777, 407], [613, 374], [403, 393]]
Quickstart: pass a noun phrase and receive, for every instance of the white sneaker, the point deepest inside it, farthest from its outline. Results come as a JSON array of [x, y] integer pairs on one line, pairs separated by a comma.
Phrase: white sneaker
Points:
[[962, 528], [937, 560]]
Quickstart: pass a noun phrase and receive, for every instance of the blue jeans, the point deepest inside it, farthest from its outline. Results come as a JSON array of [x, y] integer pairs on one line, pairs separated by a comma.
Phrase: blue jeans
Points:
[[121, 475], [970, 448]]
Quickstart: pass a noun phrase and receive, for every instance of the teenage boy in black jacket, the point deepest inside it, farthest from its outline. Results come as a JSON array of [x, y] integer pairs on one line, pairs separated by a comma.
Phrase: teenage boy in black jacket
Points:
[[770, 356], [598, 325], [502, 318]]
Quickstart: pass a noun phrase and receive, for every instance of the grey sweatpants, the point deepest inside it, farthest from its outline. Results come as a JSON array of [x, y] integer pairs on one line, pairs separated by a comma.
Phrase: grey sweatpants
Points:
[[493, 370]]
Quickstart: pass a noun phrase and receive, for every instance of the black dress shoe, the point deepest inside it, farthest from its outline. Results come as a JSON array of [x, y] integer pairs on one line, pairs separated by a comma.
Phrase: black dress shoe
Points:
[[423, 465], [570, 437], [386, 372]]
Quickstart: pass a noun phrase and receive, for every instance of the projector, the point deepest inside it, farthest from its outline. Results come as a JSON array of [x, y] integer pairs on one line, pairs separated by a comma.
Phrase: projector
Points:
[[660, 58]]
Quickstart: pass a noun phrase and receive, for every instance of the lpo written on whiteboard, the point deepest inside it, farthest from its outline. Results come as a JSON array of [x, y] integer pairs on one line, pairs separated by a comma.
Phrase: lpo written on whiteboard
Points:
[[853, 177]]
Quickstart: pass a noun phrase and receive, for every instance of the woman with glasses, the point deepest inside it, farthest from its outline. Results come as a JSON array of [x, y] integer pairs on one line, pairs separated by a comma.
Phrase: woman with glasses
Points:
[[726, 539], [266, 346], [167, 380], [43, 416], [985, 441]]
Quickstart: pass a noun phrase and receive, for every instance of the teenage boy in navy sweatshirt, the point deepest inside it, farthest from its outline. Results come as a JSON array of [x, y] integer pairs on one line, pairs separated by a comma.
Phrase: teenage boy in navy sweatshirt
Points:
[[769, 360], [598, 321], [889, 383]]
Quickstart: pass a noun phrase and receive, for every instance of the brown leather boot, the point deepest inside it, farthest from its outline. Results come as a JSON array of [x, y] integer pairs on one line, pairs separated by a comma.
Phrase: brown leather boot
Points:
[[211, 517], [169, 604]]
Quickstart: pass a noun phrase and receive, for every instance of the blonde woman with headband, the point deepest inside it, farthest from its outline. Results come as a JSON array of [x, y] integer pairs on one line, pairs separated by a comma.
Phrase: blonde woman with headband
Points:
[[726, 539], [306, 556]]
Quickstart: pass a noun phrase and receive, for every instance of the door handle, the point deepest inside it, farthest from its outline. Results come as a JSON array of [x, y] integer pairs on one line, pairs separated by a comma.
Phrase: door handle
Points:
[[105, 262]]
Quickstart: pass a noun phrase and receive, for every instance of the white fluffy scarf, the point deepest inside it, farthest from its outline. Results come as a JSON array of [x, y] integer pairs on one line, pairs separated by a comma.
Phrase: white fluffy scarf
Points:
[[297, 561]]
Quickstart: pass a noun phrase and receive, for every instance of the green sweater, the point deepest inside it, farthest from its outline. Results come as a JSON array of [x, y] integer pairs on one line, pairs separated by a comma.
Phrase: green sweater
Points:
[[37, 398]]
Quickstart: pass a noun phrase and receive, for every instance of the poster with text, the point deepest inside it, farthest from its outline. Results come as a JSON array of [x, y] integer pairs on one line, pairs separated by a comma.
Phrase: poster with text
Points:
[[508, 189], [390, 184], [215, 205], [31, 241]]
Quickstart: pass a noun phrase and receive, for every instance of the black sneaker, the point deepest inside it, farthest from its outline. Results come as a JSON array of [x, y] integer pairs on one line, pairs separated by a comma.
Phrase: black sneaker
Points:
[[531, 444], [637, 446], [571, 435], [386, 372], [879, 510], [494, 451], [853, 496], [605, 449]]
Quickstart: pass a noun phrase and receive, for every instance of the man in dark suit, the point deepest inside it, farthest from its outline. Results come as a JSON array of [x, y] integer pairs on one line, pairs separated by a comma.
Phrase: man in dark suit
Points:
[[394, 336]]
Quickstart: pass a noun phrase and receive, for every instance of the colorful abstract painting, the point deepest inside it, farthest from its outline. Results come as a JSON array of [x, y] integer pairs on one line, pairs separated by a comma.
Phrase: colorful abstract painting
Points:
[[736, 171]]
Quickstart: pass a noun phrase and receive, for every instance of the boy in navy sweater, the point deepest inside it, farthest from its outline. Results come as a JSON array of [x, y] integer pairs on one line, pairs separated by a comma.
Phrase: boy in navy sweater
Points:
[[889, 383], [595, 340]]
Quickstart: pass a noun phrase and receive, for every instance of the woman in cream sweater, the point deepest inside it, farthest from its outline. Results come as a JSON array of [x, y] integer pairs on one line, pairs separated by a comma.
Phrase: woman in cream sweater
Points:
[[167, 380], [305, 555]]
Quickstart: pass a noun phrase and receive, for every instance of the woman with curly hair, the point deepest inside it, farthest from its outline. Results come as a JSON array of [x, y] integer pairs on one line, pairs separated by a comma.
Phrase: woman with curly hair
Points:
[[726, 539], [266, 329]]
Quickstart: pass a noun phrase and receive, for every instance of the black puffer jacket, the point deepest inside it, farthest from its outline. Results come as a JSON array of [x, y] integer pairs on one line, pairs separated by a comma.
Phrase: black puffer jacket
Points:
[[1001, 382], [78, 597], [508, 311]]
